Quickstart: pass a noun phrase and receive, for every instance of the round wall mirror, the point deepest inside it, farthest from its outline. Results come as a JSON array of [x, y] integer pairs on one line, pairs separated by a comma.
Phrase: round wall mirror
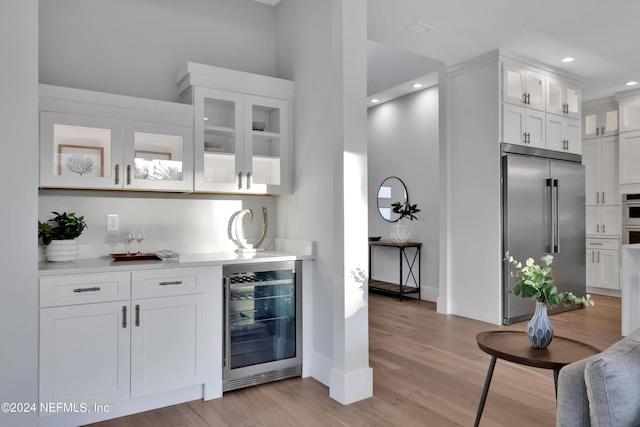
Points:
[[391, 190]]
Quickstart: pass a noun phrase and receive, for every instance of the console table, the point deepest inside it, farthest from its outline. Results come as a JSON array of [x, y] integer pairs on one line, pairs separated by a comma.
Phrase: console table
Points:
[[409, 256]]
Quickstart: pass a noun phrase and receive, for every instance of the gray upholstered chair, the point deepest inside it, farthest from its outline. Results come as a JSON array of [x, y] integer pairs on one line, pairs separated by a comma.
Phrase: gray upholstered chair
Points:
[[603, 390]]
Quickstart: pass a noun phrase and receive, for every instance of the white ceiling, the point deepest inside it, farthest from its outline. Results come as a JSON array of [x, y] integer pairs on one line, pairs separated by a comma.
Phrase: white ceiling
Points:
[[601, 35]]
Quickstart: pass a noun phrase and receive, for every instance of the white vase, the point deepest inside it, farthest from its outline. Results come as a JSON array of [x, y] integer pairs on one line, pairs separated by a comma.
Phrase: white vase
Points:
[[539, 329], [61, 251], [400, 232]]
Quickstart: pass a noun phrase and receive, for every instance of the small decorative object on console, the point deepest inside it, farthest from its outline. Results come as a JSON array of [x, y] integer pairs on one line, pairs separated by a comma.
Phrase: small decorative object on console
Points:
[[400, 232]]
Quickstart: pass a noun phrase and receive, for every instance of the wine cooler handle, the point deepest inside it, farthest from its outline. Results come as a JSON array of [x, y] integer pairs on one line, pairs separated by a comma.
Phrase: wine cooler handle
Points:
[[227, 323]]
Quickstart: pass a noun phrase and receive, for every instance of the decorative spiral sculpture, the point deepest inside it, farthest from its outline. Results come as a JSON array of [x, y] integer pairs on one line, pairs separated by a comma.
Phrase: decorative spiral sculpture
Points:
[[234, 230]]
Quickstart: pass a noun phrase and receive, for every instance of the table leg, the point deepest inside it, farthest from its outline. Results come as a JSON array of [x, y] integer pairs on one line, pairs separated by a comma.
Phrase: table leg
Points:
[[555, 381], [485, 390]]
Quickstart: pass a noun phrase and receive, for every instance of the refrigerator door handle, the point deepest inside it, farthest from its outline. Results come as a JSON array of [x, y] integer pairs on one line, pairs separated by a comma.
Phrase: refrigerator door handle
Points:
[[551, 216], [556, 216]]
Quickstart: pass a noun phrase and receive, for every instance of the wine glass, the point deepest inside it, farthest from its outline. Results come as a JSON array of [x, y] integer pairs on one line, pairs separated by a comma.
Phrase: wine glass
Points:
[[139, 237], [128, 237]]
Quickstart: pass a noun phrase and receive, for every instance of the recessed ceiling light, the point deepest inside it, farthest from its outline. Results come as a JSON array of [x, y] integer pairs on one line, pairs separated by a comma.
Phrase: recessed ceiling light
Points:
[[632, 83], [206, 118], [374, 100], [420, 27], [416, 85], [567, 59]]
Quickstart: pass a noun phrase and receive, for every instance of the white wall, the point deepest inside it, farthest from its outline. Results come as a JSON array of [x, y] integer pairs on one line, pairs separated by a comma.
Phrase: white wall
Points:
[[308, 212], [136, 47], [180, 222], [403, 141], [475, 212], [19, 171]]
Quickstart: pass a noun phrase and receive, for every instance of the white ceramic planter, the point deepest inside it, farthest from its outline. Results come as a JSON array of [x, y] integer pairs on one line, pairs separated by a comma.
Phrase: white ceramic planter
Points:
[[400, 232], [61, 251]]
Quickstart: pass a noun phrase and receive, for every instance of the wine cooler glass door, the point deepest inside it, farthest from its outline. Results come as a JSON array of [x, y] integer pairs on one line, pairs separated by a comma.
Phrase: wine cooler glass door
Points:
[[261, 318]]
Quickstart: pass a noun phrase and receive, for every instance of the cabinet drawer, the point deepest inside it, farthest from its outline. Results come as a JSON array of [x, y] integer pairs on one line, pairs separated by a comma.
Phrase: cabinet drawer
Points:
[[84, 289], [177, 281], [603, 244]]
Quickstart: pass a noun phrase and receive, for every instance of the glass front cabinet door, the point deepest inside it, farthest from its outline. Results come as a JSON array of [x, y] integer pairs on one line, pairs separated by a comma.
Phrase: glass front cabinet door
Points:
[[103, 153], [242, 142]]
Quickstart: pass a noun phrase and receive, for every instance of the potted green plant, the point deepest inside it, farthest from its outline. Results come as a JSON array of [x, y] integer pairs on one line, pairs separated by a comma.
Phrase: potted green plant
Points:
[[534, 281], [400, 232], [59, 234], [405, 210]]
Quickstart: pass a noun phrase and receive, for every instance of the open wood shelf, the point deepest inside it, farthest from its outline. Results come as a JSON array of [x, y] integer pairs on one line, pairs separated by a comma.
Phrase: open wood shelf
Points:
[[379, 285]]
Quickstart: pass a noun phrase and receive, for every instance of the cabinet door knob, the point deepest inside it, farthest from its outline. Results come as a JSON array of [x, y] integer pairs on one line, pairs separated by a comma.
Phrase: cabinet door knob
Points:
[[598, 257], [239, 180], [597, 131], [248, 180], [117, 173], [137, 314], [602, 130], [528, 99], [524, 98], [598, 198], [124, 316], [128, 174], [597, 228], [603, 197], [603, 229]]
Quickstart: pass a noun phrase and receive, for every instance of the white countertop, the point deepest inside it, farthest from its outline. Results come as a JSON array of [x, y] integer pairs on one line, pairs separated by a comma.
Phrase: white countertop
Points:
[[108, 264]]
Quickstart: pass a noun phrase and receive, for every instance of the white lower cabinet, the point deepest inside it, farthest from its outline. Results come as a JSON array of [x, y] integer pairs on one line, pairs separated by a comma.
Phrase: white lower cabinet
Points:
[[109, 337], [167, 332], [603, 263], [84, 353]]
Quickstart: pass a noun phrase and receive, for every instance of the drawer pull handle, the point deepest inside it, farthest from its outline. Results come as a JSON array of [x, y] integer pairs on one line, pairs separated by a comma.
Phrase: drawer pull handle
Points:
[[137, 314], [124, 316], [594, 243], [94, 289], [175, 282]]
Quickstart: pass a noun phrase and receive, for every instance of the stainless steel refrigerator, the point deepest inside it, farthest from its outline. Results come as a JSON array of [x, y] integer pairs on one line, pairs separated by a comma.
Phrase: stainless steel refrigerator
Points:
[[543, 202]]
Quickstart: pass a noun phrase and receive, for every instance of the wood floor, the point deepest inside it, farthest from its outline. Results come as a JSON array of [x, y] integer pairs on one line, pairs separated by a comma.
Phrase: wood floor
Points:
[[428, 371]]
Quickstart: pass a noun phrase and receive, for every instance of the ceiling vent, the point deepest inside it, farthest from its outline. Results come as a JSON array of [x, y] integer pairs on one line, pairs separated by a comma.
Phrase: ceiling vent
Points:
[[420, 27]]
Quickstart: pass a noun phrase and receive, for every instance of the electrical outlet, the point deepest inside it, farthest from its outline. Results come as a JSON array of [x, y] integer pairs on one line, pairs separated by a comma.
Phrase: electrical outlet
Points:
[[113, 222]]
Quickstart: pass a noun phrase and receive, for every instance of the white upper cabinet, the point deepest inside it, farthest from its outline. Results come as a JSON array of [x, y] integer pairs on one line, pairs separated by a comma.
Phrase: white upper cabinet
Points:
[[243, 130], [523, 126], [524, 87], [630, 115], [241, 142], [600, 159], [563, 134], [540, 107], [563, 98], [102, 141], [598, 121]]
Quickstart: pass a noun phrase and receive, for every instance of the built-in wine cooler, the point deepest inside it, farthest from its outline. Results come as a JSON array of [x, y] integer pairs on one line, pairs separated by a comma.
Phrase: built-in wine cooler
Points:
[[262, 323]]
